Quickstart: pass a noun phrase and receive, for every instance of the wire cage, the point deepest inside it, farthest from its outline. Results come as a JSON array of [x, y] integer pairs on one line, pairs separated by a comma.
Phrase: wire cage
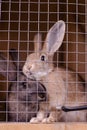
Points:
[[20, 21]]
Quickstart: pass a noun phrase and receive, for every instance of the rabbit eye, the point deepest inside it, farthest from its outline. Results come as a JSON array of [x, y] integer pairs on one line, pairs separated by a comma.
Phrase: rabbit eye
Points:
[[43, 58]]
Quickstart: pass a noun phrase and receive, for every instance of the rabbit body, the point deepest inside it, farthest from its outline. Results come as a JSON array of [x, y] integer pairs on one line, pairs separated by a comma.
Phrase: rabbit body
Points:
[[63, 88], [23, 99], [61, 91]]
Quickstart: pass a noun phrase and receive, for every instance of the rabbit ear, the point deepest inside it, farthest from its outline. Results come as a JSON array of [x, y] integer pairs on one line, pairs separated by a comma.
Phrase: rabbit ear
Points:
[[37, 42], [55, 37], [14, 55], [7, 69]]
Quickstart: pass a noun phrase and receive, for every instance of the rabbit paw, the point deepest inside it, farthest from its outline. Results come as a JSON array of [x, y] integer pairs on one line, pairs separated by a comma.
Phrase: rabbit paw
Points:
[[48, 120], [34, 120]]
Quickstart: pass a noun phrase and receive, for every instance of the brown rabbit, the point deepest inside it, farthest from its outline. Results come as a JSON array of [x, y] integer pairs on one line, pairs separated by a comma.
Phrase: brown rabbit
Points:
[[24, 94], [62, 86]]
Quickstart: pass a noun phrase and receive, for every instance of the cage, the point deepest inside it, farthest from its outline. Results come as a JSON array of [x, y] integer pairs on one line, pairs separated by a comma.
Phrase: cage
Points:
[[20, 20]]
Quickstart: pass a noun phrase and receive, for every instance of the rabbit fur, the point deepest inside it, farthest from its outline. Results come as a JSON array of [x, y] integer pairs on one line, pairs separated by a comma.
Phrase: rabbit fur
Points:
[[24, 94], [61, 85]]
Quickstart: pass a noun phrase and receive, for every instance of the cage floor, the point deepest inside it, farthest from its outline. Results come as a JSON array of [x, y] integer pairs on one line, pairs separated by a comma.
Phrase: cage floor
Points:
[[59, 126]]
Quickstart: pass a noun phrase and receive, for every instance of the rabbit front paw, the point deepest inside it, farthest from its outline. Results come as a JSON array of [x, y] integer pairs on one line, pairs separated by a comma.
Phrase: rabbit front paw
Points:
[[35, 120], [48, 120]]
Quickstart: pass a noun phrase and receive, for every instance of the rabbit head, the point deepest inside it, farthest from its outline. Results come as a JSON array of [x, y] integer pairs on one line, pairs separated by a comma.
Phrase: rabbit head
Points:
[[40, 63]]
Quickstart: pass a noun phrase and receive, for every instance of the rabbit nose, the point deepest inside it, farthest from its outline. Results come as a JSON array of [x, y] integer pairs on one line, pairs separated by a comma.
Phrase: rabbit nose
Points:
[[30, 67]]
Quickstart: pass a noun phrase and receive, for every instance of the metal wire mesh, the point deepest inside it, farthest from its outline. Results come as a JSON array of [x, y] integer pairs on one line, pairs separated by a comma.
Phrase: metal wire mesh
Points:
[[20, 21]]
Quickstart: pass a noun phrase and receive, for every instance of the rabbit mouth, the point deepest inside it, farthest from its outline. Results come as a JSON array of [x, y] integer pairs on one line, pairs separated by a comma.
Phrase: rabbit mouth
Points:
[[30, 75], [35, 76]]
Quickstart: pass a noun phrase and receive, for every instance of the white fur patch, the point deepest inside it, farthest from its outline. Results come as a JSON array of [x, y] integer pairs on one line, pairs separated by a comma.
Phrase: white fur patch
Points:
[[41, 74]]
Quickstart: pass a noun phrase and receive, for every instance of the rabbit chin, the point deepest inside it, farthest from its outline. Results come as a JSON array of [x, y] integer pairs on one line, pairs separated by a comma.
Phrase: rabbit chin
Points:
[[39, 75]]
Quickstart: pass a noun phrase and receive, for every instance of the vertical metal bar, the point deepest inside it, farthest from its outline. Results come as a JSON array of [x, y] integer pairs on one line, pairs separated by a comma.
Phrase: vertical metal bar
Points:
[[38, 15], [28, 47], [0, 8], [18, 49], [76, 53], [48, 12], [28, 34], [8, 45], [38, 37], [86, 47], [57, 20], [38, 20], [67, 49]]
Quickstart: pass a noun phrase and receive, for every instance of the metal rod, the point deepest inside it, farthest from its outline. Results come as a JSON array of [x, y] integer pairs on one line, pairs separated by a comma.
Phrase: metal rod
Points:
[[76, 108]]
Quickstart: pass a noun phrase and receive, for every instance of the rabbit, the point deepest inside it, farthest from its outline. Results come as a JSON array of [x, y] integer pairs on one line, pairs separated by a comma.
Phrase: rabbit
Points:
[[23, 95], [62, 86]]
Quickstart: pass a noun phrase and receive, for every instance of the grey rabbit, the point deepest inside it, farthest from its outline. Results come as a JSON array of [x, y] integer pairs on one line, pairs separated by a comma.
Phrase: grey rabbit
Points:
[[24, 94]]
